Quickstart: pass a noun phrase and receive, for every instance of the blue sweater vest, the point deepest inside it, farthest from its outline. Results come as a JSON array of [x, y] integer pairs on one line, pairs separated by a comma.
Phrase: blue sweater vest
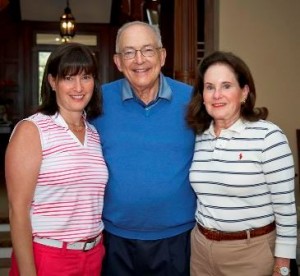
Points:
[[148, 152]]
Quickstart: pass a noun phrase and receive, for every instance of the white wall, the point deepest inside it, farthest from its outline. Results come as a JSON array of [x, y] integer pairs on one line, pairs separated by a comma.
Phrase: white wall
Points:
[[266, 34]]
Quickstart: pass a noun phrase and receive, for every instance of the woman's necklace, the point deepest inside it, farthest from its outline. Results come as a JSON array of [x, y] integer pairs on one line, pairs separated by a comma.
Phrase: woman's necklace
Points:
[[76, 128]]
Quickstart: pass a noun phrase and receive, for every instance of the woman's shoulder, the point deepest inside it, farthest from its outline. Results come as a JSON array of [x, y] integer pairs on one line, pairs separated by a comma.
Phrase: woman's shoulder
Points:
[[91, 127], [266, 129], [263, 124], [37, 117]]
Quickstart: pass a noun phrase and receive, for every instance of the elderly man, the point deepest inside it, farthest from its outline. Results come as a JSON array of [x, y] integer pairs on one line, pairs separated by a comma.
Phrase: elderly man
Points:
[[149, 205]]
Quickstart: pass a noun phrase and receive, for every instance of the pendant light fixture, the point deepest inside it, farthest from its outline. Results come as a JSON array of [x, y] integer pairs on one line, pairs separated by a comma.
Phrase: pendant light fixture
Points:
[[67, 24]]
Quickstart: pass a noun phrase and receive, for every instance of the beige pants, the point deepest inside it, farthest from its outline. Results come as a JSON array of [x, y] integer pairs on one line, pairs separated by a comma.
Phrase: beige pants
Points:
[[250, 257]]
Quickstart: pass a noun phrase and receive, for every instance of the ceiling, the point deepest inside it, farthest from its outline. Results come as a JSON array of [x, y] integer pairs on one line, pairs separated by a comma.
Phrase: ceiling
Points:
[[84, 11]]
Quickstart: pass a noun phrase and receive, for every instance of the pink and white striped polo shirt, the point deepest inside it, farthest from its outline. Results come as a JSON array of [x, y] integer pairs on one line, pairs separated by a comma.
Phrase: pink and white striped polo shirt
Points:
[[68, 200]]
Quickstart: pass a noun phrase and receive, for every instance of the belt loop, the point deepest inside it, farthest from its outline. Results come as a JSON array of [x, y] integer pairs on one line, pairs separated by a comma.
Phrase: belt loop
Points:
[[248, 236], [64, 247]]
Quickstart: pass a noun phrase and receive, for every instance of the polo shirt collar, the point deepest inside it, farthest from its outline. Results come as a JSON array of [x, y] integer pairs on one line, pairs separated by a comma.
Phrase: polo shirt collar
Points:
[[59, 120], [164, 91], [237, 127]]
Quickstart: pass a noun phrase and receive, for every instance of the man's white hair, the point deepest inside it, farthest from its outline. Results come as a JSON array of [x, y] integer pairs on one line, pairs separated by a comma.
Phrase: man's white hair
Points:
[[153, 28]]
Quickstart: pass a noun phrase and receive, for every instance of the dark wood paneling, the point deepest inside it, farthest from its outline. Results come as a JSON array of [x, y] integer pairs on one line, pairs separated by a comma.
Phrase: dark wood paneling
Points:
[[10, 74], [179, 36], [185, 40]]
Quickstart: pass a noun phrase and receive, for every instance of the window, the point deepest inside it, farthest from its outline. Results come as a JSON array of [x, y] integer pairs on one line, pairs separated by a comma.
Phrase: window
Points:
[[42, 60]]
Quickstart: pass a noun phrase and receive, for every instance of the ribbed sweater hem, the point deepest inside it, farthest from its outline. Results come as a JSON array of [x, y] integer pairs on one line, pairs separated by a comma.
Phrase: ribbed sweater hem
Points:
[[148, 235]]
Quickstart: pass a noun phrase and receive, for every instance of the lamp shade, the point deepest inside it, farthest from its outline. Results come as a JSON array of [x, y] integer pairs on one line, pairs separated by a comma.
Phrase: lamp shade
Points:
[[67, 24]]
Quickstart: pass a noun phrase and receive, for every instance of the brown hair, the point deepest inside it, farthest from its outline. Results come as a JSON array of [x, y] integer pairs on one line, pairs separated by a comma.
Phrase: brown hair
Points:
[[70, 59], [197, 117]]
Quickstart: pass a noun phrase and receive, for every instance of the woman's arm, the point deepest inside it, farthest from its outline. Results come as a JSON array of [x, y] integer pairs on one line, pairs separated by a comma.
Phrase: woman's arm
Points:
[[22, 164], [279, 173]]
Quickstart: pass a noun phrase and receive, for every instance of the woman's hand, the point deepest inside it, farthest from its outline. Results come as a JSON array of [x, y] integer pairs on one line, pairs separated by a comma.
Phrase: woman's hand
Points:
[[280, 262]]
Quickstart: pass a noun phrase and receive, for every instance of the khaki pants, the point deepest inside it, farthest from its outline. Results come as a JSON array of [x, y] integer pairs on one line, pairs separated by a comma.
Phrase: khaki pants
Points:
[[249, 257]]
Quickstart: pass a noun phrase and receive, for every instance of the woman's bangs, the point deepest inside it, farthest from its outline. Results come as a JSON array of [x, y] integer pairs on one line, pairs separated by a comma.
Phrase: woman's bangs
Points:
[[76, 64]]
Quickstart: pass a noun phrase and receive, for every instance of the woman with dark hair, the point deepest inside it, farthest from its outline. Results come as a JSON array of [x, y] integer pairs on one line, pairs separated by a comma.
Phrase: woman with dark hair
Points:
[[243, 175], [56, 175]]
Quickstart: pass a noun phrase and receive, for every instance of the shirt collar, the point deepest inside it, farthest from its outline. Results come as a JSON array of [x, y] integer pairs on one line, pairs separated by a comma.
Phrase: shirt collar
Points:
[[59, 120], [237, 127], [164, 91]]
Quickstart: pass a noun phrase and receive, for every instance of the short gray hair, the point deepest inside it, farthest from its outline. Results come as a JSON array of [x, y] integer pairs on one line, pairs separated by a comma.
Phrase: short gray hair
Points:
[[153, 28]]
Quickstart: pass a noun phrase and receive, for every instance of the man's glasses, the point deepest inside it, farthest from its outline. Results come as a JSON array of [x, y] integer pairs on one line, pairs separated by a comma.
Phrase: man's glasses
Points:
[[146, 51]]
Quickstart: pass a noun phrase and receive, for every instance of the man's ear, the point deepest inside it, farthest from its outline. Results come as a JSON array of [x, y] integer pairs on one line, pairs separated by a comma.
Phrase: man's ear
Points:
[[163, 55], [118, 62]]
